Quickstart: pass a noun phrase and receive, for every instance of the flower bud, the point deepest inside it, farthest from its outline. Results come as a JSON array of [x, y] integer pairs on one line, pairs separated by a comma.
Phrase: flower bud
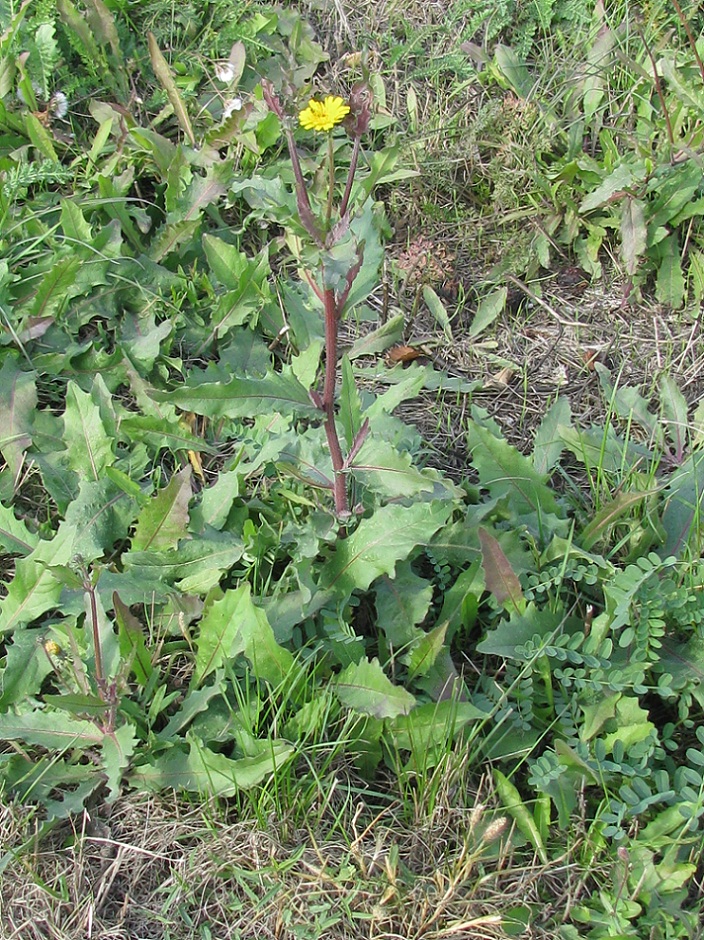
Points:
[[360, 101]]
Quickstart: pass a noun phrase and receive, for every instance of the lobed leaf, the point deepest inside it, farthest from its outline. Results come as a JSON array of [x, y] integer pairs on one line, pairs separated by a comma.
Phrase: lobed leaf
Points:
[[366, 688], [379, 542], [242, 397]]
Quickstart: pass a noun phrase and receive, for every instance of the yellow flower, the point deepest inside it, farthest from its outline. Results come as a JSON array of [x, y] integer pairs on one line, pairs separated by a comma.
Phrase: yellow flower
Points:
[[323, 115], [52, 648]]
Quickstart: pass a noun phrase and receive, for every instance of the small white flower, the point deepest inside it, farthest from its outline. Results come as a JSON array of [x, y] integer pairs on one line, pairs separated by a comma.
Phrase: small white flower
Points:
[[224, 71], [234, 104], [58, 104]]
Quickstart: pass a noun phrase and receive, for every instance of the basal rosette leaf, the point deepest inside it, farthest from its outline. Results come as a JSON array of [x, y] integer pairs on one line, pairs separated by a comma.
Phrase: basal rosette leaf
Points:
[[196, 565], [18, 399], [89, 439], [379, 542], [365, 687], [34, 589], [164, 520], [242, 397], [234, 625], [201, 770]]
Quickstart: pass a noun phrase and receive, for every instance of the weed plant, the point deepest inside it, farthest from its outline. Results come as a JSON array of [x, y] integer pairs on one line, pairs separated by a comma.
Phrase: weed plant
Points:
[[227, 570]]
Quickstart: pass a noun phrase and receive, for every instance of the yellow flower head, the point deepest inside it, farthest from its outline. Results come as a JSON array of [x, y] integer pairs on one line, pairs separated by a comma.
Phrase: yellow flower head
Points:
[[52, 648], [324, 115]]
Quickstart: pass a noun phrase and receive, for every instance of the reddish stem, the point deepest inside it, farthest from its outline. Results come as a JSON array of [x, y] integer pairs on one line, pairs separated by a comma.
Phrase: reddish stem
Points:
[[338, 463], [350, 176], [303, 202], [314, 286], [89, 588]]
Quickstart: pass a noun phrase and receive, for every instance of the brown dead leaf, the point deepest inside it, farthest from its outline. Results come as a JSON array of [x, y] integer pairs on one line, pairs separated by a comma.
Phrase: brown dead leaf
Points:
[[403, 354]]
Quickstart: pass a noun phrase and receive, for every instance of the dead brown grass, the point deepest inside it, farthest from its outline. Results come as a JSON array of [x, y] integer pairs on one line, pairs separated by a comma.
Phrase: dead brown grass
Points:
[[151, 869]]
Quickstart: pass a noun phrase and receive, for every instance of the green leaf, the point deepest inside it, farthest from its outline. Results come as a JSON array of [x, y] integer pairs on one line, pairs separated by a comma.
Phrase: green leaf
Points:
[[513, 804], [132, 642], [548, 444], [88, 441], [306, 363], [71, 802], [506, 472], [380, 339], [56, 288], [513, 70], [366, 688], [432, 724], [408, 386], [240, 305], [682, 516], [242, 398], [34, 589], [73, 223], [204, 771], [118, 748], [101, 514], [500, 577], [26, 666], [511, 634], [40, 138], [234, 625], [633, 233], [461, 602], [52, 729], [195, 702], [675, 414], [379, 542], [226, 261], [385, 469], [426, 650], [216, 501], [629, 404], [383, 170], [350, 404], [79, 705], [630, 724], [15, 537], [170, 235], [140, 338], [401, 602], [597, 714], [198, 563], [490, 306], [621, 178], [599, 58], [609, 514], [437, 308], [164, 520], [18, 400], [160, 433], [669, 285]]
